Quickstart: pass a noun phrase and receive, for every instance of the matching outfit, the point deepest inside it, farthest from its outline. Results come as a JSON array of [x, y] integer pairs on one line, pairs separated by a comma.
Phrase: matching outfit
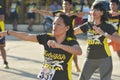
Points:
[[98, 51], [57, 63]]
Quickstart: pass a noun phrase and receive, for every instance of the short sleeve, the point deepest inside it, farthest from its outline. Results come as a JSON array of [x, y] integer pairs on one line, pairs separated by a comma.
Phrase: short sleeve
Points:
[[74, 42], [111, 29], [84, 27], [42, 38]]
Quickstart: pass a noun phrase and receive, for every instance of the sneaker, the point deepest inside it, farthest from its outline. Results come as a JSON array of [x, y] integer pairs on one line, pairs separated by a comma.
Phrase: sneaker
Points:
[[6, 65]]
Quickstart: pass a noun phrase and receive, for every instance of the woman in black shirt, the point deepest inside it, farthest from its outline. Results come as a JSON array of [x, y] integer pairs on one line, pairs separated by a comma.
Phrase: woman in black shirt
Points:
[[98, 52], [60, 46]]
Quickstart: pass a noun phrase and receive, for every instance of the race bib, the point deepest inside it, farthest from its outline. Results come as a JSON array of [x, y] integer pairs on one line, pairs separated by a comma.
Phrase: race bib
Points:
[[46, 74]]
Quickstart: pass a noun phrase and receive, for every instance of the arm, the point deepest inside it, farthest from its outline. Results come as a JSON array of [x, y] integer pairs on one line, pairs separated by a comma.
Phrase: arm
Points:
[[79, 14], [20, 35], [77, 30], [114, 37], [43, 12], [114, 13], [75, 49]]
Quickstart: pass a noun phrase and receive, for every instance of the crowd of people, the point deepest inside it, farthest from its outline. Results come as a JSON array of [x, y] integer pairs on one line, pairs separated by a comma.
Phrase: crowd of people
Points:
[[102, 28]]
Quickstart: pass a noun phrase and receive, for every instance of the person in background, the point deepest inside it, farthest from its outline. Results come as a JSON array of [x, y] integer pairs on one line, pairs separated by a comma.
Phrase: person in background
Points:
[[78, 8], [30, 14], [14, 13], [55, 6], [98, 50], [60, 47], [85, 8], [2, 41], [105, 3], [66, 9], [114, 19]]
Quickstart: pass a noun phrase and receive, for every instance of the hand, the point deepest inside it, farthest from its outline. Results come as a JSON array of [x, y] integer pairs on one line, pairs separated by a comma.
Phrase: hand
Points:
[[115, 13], [98, 30], [3, 34], [52, 43]]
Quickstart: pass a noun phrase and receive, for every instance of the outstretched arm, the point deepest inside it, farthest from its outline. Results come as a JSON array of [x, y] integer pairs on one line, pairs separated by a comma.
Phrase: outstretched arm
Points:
[[43, 12], [20, 35], [77, 30], [78, 14]]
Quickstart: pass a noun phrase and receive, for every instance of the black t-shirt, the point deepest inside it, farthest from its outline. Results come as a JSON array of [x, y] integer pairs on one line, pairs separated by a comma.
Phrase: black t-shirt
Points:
[[97, 44], [57, 59]]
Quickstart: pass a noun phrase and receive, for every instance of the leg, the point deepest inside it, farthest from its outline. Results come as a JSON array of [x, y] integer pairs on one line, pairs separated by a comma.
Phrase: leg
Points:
[[106, 69], [88, 69], [14, 25], [76, 63], [30, 24], [3, 52]]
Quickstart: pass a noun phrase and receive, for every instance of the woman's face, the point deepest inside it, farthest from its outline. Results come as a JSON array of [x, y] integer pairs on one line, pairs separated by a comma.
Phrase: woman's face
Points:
[[59, 27], [96, 14]]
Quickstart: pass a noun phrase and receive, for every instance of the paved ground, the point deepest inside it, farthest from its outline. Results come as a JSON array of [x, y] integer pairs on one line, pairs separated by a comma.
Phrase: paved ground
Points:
[[26, 58]]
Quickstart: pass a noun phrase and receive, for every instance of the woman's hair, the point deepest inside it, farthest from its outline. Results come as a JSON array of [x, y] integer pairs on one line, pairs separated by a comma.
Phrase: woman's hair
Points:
[[115, 1], [70, 1], [68, 22], [101, 7]]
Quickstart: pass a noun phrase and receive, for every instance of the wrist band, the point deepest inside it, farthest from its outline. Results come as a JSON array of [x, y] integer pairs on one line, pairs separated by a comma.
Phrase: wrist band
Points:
[[7, 32]]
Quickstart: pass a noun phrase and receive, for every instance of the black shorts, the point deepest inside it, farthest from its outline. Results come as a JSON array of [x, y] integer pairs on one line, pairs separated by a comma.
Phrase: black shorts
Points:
[[13, 16], [2, 41], [31, 15]]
